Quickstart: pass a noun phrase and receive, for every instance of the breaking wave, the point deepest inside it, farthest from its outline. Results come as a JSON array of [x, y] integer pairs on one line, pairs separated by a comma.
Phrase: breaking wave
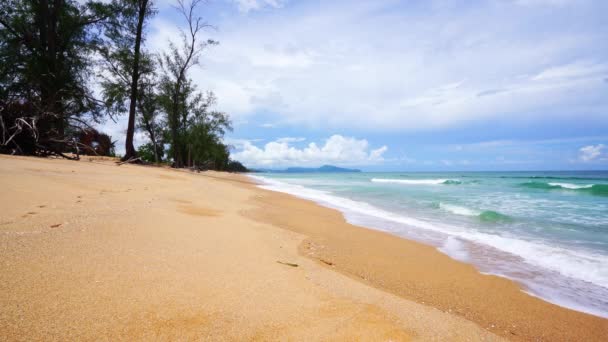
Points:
[[593, 189], [485, 215]]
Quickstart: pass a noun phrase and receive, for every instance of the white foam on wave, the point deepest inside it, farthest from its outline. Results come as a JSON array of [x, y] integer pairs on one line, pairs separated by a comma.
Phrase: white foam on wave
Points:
[[411, 181], [580, 265], [572, 186], [458, 210], [585, 266], [454, 247]]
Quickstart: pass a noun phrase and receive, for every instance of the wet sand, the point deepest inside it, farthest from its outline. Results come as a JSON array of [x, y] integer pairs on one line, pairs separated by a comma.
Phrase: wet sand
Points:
[[422, 274], [91, 251]]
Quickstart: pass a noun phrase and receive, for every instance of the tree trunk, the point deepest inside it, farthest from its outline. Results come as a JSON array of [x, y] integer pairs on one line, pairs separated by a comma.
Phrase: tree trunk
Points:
[[189, 155], [156, 159], [55, 105], [177, 158], [154, 144], [46, 23], [129, 148], [150, 130], [150, 127]]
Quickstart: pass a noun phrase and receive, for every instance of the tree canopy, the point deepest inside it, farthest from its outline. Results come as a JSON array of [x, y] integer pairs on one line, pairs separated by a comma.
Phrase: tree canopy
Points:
[[53, 52], [46, 55]]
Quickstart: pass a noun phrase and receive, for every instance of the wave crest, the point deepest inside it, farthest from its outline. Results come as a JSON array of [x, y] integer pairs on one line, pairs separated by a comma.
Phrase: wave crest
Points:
[[458, 210], [486, 215], [573, 268], [593, 189]]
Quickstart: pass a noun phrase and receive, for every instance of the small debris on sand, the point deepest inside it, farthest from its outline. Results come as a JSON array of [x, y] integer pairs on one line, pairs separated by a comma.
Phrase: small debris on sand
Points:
[[287, 263]]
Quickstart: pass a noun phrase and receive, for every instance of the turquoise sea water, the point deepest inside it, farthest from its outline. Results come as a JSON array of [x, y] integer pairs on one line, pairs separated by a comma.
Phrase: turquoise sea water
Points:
[[546, 230]]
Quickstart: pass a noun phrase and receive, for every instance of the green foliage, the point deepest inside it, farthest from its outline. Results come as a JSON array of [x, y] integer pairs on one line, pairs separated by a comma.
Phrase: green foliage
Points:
[[146, 153], [235, 166], [178, 96], [126, 61], [198, 129], [118, 56], [205, 147], [150, 119], [47, 53], [45, 58]]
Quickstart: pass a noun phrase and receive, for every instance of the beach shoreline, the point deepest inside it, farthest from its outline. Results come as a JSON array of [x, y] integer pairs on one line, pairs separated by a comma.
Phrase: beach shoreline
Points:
[[93, 250], [556, 261], [431, 277]]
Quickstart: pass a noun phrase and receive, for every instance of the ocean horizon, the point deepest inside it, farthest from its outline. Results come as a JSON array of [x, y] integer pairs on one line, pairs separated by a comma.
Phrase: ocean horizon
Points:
[[546, 230]]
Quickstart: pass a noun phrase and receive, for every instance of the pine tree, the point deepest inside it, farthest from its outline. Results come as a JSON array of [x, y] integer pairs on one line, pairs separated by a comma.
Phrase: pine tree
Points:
[[45, 60], [126, 61]]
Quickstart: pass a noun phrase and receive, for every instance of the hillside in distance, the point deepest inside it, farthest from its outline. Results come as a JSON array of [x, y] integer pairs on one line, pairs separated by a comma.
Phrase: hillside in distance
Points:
[[322, 169]]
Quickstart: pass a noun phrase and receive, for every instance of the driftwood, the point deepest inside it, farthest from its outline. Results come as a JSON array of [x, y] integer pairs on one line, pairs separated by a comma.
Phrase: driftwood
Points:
[[26, 129], [130, 161], [23, 137], [287, 263]]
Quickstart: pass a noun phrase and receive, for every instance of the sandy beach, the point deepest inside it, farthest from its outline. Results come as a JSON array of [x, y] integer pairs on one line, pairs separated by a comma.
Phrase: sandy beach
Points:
[[96, 251]]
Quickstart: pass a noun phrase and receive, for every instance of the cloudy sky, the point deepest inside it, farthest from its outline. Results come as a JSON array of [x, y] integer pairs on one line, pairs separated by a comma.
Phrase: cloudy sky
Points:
[[406, 85]]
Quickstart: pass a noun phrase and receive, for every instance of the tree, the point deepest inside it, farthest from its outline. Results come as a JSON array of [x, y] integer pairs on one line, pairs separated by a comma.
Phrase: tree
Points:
[[197, 130], [149, 119], [146, 153], [48, 49], [126, 61], [235, 166], [204, 131], [176, 64], [45, 58]]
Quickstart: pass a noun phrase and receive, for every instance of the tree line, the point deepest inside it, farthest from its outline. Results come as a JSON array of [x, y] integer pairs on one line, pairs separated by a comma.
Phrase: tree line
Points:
[[52, 54]]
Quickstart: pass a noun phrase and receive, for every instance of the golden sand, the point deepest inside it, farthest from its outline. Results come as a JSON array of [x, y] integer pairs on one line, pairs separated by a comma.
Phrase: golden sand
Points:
[[95, 251]]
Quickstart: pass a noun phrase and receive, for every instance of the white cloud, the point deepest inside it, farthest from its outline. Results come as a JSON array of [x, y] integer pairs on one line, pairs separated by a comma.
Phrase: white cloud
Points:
[[339, 66], [288, 57], [376, 155], [290, 139], [591, 152], [497, 144], [572, 71], [250, 5], [336, 150], [368, 66]]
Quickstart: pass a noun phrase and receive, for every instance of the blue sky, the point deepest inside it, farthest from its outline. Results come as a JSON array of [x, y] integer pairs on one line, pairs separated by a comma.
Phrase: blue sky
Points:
[[406, 85]]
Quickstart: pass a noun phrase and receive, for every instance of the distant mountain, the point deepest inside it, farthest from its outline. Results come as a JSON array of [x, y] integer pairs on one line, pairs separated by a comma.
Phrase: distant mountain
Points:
[[322, 169]]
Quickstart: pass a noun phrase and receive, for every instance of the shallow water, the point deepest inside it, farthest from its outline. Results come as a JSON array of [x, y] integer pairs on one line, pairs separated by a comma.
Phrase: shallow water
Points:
[[546, 230]]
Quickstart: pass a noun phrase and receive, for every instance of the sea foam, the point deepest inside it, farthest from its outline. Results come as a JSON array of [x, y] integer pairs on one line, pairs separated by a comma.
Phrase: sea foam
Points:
[[455, 249], [458, 210], [581, 267], [592, 189], [572, 186]]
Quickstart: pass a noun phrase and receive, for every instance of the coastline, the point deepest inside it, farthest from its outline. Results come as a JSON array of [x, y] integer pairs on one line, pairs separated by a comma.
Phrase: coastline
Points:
[[559, 272], [94, 251], [423, 274]]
